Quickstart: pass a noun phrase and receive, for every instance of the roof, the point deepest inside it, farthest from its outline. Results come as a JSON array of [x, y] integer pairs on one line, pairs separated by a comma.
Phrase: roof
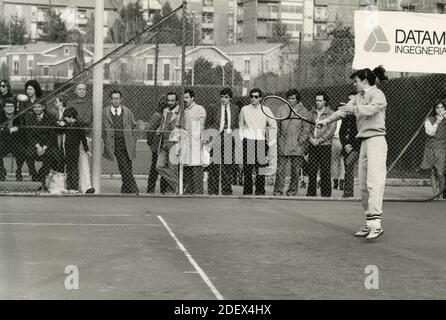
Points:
[[36, 48], [108, 4], [255, 48]]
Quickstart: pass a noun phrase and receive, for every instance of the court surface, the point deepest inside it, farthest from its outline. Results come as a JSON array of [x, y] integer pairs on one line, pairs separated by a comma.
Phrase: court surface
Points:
[[201, 248]]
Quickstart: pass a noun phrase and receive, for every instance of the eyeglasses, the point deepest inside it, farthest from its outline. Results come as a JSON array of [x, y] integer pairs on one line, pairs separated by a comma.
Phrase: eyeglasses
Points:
[[254, 96], [2, 85]]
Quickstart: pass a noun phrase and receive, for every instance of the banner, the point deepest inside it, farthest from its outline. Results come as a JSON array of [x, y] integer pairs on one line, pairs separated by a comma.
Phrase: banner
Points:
[[400, 41]]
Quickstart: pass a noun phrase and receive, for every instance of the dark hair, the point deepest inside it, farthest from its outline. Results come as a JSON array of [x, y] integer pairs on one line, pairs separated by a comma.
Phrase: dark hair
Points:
[[378, 72], [191, 92], [8, 100], [70, 112], [293, 92], [8, 85], [41, 103], [441, 101], [171, 93], [226, 91], [256, 90], [63, 98], [323, 94], [114, 92], [36, 85]]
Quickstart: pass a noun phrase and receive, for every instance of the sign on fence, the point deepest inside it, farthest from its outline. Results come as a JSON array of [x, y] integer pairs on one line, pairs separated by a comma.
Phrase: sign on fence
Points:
[[400, 41]]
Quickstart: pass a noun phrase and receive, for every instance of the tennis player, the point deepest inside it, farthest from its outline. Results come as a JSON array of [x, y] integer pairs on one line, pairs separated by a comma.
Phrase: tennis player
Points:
[[369, 107]]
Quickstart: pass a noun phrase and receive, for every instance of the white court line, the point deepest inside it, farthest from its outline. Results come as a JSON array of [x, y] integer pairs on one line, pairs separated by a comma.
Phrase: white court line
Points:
[[66, 214], [80, 224], [192, 261]]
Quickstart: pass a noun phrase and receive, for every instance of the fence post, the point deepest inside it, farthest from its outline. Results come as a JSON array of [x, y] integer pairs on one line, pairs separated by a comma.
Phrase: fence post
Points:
[[98, 74], [183, 87]]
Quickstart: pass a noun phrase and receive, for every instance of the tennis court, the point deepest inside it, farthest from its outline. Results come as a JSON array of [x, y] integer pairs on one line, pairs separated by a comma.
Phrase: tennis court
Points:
[[203, 248]]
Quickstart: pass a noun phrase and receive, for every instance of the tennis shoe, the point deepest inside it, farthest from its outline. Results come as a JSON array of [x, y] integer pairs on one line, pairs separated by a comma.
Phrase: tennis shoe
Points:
[[375, 233], [363, 232]]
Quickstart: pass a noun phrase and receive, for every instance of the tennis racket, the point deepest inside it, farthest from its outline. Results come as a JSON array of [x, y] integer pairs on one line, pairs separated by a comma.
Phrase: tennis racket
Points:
[[280, 109]]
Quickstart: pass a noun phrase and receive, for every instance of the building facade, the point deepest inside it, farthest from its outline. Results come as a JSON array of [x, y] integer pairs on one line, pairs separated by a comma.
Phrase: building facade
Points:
[[49, 63], [256, 19], [74, 12]]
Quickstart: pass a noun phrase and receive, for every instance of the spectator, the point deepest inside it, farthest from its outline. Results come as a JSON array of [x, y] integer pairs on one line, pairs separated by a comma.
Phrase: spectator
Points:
[[337, 161], [153, 140], [119, 137], [73, 134], [33, 91], [435, 150], [12, 137], [167, 168], [84, 108], [42, 143], [319, 150], [194, 117], [255, 128], [6, 92], [350, 149], [292, 138], [222, 117]]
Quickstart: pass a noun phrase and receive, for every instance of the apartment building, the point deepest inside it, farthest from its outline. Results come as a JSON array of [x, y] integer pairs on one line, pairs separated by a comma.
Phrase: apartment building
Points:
[[256, 19], [77, 11], [215, 20]]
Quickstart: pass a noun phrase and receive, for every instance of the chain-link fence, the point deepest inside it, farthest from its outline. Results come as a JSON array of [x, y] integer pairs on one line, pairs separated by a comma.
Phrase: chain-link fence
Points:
[[204, 132]]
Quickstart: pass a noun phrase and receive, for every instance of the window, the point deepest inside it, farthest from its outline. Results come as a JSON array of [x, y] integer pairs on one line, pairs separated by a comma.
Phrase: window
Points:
[[150, 71], [66, 51], [320, 13], [70, 69], [247, 69], [166, 72], [33, 14], [30, 62], [33, 30], [408, 7], [15, 65], [19, 11], [106, 71], [46, 71]]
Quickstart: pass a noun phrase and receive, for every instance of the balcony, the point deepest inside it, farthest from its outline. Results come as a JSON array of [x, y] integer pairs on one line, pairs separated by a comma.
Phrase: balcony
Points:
[[321, 18], [207, 25], [268, 16], [207, 41], [208, 9]]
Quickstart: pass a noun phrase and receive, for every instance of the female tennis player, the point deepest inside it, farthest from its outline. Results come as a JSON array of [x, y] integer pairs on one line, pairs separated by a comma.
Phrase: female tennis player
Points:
[[435, 149], [369, 107]]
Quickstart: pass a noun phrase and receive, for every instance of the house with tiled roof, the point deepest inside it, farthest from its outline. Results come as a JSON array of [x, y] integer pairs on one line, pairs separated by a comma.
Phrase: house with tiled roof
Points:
[[49, 63], [253, 60], [138, 65]]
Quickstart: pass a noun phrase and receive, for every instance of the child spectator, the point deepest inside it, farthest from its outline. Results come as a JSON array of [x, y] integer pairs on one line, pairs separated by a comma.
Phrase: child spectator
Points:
[[73, 134]]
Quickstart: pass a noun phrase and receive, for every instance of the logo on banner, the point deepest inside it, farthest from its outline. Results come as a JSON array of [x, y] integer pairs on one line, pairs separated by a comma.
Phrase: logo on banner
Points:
[[377, 41]]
